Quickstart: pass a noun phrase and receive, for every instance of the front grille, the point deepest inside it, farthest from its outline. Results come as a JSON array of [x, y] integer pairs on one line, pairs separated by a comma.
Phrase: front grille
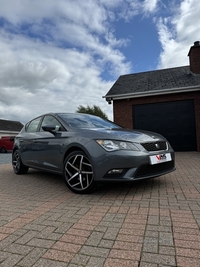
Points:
[[156, 169], [155, 146]]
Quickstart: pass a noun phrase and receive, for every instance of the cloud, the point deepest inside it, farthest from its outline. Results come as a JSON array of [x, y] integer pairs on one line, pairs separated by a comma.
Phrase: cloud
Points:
[[150, 5], [47, 78], [53, 54], [177, 33], [57, 55]]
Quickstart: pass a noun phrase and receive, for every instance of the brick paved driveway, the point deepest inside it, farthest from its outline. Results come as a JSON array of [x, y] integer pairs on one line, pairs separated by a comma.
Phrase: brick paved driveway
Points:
[[152, 223]]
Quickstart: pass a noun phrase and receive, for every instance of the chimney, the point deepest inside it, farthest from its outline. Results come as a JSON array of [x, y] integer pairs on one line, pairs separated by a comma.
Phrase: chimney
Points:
[[194, 56]]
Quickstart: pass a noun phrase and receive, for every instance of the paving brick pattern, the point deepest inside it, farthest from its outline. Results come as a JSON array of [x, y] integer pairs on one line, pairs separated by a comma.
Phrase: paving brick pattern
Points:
[[153, 223]]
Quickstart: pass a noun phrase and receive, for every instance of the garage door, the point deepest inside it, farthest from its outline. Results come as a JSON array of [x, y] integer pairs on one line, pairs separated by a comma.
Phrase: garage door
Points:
[[175, 120]]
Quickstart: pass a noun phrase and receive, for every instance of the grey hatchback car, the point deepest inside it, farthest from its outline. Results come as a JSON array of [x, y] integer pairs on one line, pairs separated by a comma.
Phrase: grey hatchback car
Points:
[[88, 150]]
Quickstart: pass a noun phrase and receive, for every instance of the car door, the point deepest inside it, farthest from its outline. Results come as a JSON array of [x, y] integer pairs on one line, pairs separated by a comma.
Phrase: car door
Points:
[[47, 145], [27, 140]]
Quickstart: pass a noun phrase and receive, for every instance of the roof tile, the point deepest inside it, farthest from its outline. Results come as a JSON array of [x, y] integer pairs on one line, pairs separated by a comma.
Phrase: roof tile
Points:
[[157, 80]]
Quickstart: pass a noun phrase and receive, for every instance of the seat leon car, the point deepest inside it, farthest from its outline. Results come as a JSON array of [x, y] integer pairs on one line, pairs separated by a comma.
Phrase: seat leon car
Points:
[[88, 150]]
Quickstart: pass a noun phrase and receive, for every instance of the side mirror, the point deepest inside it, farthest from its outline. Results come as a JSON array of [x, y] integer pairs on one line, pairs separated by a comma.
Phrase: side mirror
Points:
[[51, 128]]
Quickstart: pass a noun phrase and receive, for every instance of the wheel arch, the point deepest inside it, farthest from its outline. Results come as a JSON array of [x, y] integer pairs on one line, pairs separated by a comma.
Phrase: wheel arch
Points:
[[75, 148], [14, 149]]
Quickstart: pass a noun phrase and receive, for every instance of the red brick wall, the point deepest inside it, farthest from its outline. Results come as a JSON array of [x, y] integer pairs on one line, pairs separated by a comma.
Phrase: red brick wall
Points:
[[194, 57], [122, 109]]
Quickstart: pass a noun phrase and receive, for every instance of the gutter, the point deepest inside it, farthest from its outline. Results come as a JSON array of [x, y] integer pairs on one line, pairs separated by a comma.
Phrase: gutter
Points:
[[109, 98]]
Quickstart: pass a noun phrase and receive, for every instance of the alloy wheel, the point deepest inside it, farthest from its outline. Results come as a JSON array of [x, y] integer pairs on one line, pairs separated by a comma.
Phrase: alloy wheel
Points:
[[18, 166], [78, 172], [16, 161]]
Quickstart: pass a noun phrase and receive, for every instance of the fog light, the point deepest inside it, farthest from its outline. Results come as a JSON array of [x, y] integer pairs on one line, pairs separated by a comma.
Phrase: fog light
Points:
[[115, 171]]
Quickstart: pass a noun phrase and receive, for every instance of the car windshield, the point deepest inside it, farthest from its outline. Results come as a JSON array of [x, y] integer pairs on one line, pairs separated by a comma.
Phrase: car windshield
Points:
[[87, 121]]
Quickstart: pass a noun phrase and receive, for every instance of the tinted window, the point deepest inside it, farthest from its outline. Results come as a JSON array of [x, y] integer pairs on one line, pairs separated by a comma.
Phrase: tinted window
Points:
[[50, 120], [33, 125]]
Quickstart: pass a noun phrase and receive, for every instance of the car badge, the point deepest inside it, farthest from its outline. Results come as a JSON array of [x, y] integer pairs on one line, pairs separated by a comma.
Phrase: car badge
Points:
[[157, 146]]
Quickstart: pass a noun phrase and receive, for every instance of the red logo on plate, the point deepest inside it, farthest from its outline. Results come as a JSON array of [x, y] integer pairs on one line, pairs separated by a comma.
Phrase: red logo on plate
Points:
[[161, 157], [158, 157]]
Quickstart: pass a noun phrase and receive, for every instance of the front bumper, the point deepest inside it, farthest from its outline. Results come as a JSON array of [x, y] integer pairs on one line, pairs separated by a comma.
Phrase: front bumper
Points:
[[125, 165]]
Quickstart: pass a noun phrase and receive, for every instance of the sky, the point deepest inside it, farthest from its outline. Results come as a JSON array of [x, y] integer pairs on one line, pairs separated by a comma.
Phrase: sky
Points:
[[56, 55]]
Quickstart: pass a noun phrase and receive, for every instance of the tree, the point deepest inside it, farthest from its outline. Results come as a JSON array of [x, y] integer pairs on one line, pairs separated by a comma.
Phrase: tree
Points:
[[95, 110]]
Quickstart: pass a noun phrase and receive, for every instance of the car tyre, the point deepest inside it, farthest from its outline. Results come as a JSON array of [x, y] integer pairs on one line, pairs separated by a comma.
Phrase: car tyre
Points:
[[78, 173], [18, 166], [3, 149]]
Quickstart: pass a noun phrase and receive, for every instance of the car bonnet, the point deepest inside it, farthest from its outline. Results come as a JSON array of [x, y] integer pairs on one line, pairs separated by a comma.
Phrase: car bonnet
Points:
[[126, 135]]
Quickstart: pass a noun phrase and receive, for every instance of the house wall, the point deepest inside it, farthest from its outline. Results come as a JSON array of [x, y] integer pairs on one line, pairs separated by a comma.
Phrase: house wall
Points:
[[123, 109]]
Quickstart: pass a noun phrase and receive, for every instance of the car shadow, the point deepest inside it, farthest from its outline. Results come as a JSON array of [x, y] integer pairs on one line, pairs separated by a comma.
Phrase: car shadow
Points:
[[133, 187]]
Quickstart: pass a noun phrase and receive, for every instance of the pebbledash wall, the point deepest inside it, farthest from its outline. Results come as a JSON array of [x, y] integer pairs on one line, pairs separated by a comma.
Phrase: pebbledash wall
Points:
[[123, 108]]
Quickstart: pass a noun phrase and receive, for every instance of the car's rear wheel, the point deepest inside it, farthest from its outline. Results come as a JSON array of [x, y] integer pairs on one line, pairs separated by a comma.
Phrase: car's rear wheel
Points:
[[3, 149], [78, 173], [18, 166]]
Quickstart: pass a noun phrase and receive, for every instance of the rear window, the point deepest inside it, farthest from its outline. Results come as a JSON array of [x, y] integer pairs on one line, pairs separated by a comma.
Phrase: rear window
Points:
[[32, 126]]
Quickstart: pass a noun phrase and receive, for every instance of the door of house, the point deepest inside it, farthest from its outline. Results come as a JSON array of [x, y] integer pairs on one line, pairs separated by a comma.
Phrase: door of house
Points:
[[175, 120]]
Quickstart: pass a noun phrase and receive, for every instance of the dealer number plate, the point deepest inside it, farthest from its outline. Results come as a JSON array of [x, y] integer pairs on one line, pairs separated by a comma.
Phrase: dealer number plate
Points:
[[160, 158]]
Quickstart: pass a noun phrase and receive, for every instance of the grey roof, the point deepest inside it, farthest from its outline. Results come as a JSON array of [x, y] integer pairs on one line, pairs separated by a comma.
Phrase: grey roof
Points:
[[155, 81], [14, 126]]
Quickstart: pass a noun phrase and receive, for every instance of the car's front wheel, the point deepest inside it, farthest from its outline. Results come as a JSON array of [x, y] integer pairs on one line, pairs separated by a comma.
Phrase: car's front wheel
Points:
[[78, 173], [18, 166]]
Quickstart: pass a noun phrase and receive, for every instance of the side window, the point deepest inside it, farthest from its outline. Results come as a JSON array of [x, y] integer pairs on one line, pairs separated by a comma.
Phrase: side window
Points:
[[50, 120], [33, 125]]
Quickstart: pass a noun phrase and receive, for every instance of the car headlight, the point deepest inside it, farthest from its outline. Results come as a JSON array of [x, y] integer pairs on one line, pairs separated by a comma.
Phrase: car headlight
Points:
[[112, 145]]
